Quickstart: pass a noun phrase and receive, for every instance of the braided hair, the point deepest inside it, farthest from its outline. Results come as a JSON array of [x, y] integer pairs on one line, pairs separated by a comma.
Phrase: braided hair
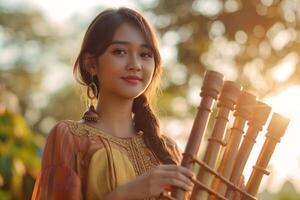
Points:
[[146, 121]]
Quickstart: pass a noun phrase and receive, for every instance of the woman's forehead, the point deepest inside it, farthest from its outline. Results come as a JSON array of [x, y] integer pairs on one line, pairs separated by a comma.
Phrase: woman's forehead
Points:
[[130, 33]]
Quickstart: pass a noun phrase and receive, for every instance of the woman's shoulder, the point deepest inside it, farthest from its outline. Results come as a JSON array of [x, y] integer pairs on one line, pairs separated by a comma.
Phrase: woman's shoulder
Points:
[[76, 128], [61, 132], [79, 131]]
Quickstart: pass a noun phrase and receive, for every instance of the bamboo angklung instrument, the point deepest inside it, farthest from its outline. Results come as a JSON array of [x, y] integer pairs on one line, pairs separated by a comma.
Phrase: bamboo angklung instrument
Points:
[[212, 84], [259, 117], [226, 102], [242, 114], [276, 129], [235, 155]]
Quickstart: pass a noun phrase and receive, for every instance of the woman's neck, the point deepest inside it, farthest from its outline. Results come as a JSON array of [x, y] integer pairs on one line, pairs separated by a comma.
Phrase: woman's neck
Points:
[[116, 116]]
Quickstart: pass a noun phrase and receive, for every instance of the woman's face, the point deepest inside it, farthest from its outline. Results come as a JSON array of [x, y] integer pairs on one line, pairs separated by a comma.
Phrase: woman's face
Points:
[[126, 67]]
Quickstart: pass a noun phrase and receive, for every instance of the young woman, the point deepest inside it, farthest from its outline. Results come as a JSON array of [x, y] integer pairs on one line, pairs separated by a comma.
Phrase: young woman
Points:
[[117, 150]]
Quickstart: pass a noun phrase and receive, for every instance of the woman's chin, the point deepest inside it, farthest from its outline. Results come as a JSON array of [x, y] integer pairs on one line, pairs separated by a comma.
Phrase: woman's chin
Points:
[[131, 95]]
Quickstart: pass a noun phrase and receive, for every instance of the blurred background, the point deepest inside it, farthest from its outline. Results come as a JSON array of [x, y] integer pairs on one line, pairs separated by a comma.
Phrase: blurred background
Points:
[[253, 42]]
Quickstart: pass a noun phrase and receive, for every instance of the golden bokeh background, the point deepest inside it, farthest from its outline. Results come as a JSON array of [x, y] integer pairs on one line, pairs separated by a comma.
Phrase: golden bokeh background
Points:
[[253, 42]]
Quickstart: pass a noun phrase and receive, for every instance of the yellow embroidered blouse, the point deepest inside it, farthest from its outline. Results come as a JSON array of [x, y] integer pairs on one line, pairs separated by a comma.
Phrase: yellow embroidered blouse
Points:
[[83, 162]]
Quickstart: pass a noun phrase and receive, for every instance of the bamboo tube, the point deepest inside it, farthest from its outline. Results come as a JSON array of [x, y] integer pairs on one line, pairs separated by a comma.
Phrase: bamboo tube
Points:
[[242, 114], [227, 100], [259, 118], [212, 84], [276, 129]]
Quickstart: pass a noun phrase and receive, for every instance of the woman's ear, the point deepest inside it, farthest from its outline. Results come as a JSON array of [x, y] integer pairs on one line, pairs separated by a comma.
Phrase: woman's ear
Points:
[[90, 64]]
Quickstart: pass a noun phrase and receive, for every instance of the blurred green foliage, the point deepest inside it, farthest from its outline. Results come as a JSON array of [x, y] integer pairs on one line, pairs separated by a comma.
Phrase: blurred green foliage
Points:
[[19, 156]]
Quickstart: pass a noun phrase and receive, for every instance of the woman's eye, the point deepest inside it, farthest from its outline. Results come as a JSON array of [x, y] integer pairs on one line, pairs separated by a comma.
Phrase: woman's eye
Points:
[[147, 55], [119, 52]]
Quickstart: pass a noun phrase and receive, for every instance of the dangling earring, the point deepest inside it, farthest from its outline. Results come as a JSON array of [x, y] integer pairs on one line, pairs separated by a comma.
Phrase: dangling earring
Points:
[[91, 114]]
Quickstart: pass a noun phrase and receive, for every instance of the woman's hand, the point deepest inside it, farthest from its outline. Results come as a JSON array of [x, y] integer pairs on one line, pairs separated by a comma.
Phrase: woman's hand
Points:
[[156, 181], [163, 177]]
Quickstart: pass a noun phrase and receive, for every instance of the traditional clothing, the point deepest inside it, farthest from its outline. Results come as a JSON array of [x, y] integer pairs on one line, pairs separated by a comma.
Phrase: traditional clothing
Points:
[[82, 162]]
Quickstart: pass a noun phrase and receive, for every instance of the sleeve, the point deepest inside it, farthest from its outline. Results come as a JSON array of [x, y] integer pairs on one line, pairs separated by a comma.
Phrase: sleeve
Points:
[[173, 149], [58, 178]]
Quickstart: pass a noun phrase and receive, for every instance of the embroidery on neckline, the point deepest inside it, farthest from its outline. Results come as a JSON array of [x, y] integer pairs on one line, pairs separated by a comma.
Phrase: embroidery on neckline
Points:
[[80, 129]]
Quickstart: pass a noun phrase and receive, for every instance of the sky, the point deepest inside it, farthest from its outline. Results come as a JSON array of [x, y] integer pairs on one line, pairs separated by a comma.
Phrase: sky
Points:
[[58, 10]]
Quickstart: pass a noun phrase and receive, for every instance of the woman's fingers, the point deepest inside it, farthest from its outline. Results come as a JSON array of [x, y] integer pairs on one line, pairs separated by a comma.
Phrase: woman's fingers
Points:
[[176, 178], [187, 172], [178, 183], [179, 176], [164, 176]]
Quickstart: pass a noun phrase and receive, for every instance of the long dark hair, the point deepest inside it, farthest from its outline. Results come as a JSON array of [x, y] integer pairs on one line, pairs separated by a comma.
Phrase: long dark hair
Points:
[[97, 38]]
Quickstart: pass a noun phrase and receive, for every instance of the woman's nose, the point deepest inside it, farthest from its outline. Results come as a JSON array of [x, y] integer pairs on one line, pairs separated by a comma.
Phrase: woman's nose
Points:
[[134, 64]]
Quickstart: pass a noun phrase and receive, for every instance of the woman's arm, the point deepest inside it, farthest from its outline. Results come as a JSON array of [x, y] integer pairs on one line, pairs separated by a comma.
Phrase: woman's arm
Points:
[[58, 179]]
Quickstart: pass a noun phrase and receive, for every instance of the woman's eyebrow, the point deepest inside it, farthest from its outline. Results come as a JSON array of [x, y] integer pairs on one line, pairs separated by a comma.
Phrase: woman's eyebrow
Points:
[[128, 43]]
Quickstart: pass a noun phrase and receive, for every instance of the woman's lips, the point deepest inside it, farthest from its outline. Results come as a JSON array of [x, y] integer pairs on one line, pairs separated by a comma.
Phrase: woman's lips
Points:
[[133, 80]]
